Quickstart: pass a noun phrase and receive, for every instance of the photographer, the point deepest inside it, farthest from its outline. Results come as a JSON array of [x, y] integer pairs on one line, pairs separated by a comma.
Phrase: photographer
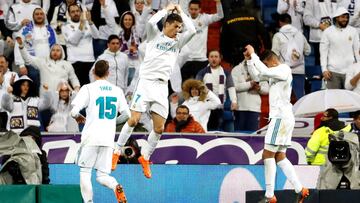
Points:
[[317, 146]]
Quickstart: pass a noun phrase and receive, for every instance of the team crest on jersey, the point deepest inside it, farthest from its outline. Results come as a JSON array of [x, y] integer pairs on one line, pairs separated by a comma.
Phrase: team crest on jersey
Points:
[[16, 122], [350, 38]]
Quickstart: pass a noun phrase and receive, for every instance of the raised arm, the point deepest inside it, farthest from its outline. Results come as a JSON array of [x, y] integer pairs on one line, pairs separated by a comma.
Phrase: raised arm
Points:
[[188, 26], [216, 16], [151, 27], [32, 60]]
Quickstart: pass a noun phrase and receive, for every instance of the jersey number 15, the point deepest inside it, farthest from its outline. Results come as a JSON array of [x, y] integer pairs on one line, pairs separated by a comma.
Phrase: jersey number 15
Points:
[[107, 107]]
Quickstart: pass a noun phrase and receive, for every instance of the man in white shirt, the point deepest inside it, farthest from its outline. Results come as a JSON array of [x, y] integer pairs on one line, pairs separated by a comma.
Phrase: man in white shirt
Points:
[[118, 63], [317, 15], [7, 77], [162, 49], [102, 101], [291, 46], [192, 57], [295, 8], [339, 48], [79, 33], [19, 15], [279, 133], [219, 81]]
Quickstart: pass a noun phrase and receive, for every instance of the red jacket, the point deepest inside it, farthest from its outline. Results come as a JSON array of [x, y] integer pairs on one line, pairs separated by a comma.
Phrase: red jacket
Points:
[[192, 127]]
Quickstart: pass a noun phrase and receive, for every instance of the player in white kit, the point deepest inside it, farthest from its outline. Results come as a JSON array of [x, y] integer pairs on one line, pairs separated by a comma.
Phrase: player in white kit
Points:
[[162, 50], [102, 101], [280, 128]]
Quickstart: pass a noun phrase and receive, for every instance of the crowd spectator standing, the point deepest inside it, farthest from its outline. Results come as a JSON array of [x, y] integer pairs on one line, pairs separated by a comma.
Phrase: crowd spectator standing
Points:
[[61, 121], [291, 46], [219, 81], [38, 37], [114, 10], [53, 68], [184, 122], [79, 33], [241, 28], [192, 57], [7, 78], [118, 63], [317, 15], [339, 48], [198, 99], [128, 31], [60, 17], [295, 8], [353, 8], [23, 104], [248, 90]]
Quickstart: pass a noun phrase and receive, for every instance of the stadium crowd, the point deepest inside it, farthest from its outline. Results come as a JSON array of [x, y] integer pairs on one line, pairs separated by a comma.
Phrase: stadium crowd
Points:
[[48, 49]]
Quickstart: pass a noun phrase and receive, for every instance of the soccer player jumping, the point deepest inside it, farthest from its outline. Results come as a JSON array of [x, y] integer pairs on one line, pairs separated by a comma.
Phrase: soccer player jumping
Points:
[[162, 50], [281, 126]]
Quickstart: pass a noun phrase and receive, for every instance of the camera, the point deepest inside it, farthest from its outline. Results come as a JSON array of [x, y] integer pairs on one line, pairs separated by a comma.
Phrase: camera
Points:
[[128, 152]]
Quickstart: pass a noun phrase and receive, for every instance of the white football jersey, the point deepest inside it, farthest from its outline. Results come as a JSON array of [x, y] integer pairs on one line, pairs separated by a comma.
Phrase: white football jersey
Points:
[[102, 101], [161, 51]]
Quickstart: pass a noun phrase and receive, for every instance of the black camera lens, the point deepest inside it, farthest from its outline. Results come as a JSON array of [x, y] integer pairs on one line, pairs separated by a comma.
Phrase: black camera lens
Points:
[[128, 151]]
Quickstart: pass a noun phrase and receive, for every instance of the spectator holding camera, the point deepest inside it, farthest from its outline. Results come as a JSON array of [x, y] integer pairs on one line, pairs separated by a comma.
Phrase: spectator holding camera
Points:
[[184, 122]]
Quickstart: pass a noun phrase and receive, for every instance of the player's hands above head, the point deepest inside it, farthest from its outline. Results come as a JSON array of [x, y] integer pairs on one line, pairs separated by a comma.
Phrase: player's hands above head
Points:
[[170, 7], [249, 50], [178, 8]]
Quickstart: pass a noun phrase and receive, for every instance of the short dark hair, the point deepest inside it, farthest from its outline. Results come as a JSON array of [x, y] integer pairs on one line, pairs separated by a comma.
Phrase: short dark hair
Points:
[[267, 54], [183, 107], [198, 2], [331, 112], [214, 50], [285, 18], [101, 68], [71, 5], [111, 37], [172, 17]]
